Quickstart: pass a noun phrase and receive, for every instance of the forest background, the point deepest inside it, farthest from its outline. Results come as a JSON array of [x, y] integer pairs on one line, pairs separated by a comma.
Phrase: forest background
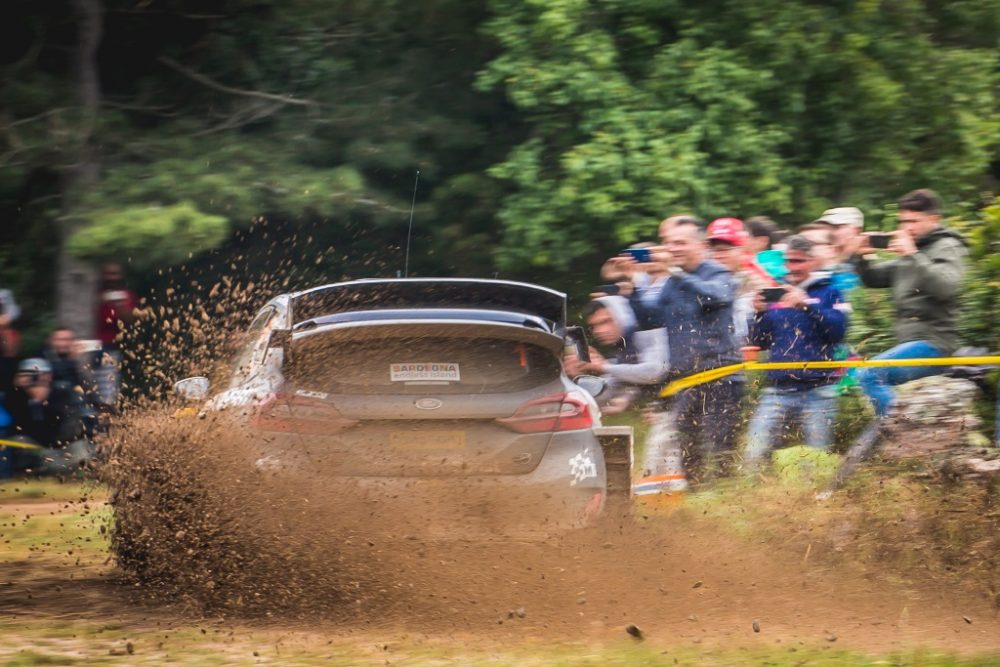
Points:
[[252, 137]]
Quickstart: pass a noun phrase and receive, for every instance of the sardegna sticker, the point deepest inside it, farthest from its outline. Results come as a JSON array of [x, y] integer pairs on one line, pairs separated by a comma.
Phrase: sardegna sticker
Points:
[[424, 372]]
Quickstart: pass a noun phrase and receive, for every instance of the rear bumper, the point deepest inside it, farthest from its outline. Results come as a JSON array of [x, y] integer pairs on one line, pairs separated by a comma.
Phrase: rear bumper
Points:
[[565, 491]]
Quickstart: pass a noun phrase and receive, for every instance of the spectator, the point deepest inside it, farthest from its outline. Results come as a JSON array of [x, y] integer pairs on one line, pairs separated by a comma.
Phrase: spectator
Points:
[[845, 224], [10, 340], [63, 356], [728, 245], [926, 281], [43, 415], [806, 325], [40, 411], [70, 373], [842, 274], [695, 307], [114, 313], [764, 233], [640, 356]]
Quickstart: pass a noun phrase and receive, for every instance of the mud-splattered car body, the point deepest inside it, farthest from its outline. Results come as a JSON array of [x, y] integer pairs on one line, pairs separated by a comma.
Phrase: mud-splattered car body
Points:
[[418, 394]]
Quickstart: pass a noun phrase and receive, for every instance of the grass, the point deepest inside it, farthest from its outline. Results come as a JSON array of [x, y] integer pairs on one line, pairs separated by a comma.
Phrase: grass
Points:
[[48, 491]]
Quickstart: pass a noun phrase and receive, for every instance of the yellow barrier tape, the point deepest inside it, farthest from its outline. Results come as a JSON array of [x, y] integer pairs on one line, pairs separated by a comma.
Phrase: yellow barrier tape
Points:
[[722, 371], [18, 444]]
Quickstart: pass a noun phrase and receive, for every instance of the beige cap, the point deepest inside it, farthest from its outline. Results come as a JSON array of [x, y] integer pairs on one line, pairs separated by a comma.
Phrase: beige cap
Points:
[[844, 215]]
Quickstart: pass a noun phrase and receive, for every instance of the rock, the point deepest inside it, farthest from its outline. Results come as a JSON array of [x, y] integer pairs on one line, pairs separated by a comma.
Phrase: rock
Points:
[[756, 625], [932, 415], [633, 630], [520, 612], [972, 464]]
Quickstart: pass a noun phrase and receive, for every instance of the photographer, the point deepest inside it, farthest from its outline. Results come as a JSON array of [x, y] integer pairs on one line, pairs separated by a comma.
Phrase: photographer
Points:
[[805, 323], [926, 281], [640, 356], [695, 307], [43, 416]]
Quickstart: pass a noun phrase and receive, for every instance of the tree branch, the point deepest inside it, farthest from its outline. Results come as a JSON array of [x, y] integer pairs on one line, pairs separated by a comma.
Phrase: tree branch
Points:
[[215, 85]]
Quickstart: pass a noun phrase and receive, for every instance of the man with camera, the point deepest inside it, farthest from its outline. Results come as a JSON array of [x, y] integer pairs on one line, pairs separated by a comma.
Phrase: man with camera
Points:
[[640, 356], [803, 320], [43, 416], [695, 307], [926, 280]]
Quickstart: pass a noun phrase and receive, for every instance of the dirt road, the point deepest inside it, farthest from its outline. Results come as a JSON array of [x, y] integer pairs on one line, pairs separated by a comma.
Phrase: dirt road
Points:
[[677, 578]]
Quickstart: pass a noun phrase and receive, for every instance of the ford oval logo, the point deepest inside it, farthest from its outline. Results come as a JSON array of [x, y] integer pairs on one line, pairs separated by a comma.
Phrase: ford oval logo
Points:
[[428, 403]]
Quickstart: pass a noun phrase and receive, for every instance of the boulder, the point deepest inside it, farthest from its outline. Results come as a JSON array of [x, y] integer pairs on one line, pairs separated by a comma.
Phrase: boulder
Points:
[[932, 415]]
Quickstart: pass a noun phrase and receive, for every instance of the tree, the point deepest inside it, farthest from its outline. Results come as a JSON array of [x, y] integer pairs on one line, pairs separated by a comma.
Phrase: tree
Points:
[[639, 109], [200, 118]]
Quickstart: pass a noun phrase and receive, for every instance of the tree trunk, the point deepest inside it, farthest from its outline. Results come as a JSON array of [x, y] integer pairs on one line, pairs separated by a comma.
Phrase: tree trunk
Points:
[[77, 281]]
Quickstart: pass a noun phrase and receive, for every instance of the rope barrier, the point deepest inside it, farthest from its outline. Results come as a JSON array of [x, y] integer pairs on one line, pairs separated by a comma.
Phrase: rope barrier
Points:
[[18, 444], [722, 371]]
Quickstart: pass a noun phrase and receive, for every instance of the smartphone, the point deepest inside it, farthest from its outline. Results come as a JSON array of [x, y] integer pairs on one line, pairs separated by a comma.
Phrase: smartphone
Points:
[[610, 290], [880, 241], [640, 255], [772, 294]]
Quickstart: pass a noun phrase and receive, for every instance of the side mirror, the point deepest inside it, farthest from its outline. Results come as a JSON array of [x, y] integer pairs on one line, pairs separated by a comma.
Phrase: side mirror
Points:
[[576, 336], [192, 389], [591, 384]]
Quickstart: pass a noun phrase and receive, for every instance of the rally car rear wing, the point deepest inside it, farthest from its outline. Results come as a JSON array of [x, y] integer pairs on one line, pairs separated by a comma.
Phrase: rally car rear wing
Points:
[[422, 293]]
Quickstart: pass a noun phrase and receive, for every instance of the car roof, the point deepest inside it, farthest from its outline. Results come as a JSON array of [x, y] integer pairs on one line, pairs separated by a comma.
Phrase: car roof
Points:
[[406, 298]]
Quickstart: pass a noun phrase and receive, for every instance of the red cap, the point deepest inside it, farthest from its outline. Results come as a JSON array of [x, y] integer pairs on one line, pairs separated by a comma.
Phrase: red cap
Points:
[[729, 230]]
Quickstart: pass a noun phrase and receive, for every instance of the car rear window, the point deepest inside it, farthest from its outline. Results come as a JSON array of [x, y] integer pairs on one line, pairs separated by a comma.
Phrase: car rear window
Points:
[[413, 365]]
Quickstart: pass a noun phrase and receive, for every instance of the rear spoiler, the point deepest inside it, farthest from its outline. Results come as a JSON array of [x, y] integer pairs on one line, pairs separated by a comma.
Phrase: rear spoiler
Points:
[[402, 293]]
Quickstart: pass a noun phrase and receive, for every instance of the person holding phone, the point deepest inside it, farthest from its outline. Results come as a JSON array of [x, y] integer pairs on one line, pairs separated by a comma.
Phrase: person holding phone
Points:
[[804, 320], [695, 307], [926, 279], [728, 244]]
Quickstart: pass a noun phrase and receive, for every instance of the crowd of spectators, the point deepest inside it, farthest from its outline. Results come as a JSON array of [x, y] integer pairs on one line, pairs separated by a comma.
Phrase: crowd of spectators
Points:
[[54, 400], [711, 296]]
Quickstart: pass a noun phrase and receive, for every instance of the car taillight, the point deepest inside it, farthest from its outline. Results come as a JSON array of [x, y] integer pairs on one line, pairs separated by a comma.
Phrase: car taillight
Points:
[[559, 412], [291, 413]]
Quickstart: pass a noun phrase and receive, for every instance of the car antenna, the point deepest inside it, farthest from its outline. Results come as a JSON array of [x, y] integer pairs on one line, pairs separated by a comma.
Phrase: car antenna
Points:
[[409, 230]]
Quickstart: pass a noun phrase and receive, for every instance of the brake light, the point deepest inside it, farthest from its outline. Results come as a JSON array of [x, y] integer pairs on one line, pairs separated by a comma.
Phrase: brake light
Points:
[[292, 413], [559, 412]]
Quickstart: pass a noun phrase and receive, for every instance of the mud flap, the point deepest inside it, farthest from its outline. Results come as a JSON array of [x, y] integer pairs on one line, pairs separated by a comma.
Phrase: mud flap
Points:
[[617, 444]]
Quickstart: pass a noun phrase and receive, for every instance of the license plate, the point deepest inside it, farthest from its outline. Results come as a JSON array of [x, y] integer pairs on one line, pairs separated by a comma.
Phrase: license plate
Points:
[[427, 440]]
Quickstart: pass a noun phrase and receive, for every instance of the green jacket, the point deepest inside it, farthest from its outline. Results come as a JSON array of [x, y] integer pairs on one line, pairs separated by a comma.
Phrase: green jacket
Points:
[[925, 288]]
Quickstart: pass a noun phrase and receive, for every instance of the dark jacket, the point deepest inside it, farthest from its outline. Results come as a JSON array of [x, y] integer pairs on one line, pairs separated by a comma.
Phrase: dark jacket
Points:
[[925, 288], [65, 370], [808, 334], [696, 311], [49, 423]]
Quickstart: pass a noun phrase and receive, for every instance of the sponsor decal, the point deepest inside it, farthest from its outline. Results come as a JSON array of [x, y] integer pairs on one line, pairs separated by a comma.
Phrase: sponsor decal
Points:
[[424, 372], [582, 467], [311, 394]]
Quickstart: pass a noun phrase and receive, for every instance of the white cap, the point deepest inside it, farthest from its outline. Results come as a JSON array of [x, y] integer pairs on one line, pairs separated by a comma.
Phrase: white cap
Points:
[[844, 215]]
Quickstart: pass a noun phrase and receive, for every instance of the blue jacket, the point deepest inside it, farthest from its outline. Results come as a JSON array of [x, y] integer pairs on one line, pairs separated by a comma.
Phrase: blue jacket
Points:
[[696, 311], [809, 334]]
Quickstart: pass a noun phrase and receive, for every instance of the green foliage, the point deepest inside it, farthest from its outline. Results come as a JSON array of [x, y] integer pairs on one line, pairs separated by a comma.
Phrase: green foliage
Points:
[[982, 291], [150, 236], [639, 109]]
